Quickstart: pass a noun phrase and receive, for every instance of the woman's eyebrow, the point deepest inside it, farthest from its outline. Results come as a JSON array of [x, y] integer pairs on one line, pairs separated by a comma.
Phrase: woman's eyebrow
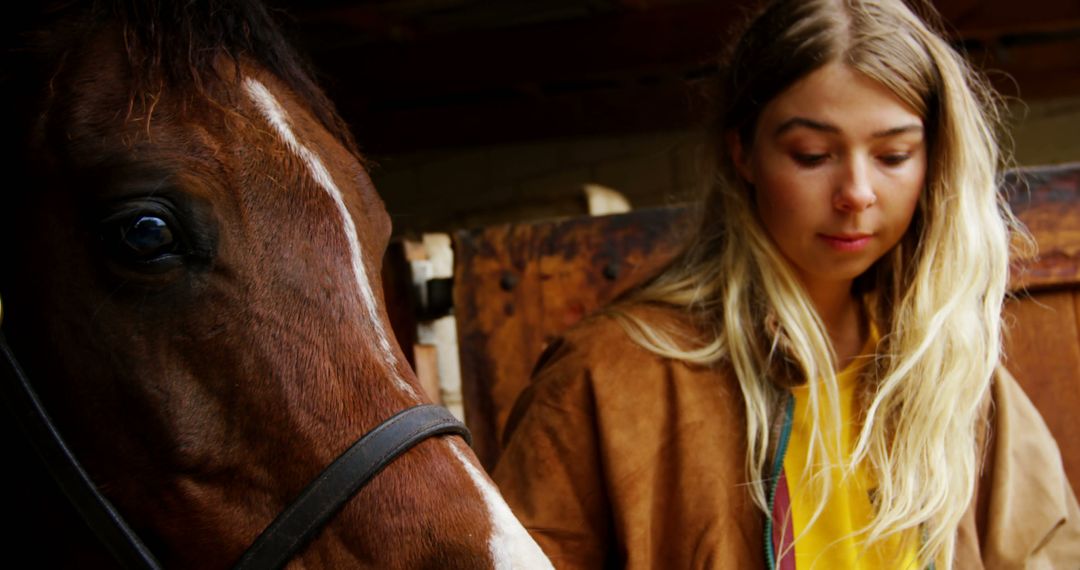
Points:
[[913, 127], [833, 129], [804, 122]]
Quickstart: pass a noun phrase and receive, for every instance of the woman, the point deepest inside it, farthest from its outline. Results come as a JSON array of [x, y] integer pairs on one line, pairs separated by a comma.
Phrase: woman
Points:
[[816, 382]]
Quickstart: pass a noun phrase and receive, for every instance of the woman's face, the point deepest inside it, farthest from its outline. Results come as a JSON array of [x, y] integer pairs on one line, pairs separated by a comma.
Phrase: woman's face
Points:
[[837, 164]]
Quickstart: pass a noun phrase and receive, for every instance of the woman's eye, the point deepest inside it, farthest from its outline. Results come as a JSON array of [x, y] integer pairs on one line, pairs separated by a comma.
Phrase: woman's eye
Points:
[[809, 159], [894, 159], [143, 238]]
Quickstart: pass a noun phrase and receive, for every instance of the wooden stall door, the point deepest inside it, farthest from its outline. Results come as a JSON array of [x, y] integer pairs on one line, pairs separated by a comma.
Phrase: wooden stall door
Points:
[[519, 286]]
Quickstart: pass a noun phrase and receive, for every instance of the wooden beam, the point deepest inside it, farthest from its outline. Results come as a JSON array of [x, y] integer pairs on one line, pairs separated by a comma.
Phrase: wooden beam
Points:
[[668, 41], [990, 19], [385, 129], [626, 71], [1040, 68]]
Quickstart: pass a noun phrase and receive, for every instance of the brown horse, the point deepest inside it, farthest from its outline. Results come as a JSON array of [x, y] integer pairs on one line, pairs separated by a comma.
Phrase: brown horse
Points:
[[190, 270]]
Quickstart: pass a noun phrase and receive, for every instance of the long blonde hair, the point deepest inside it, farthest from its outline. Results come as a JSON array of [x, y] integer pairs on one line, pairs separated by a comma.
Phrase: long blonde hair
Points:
[[936, 297]]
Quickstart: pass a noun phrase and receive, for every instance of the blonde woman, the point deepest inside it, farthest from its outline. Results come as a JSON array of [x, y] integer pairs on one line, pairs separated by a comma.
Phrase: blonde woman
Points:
[[816, 382]]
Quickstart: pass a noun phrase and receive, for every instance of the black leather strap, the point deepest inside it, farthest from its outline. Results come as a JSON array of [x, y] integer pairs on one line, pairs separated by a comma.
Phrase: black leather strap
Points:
[[95, 509], [296, 525], [289, 532]]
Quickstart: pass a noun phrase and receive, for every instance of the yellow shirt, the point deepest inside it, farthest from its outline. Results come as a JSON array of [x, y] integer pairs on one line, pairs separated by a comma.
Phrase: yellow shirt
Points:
[[833, 540]]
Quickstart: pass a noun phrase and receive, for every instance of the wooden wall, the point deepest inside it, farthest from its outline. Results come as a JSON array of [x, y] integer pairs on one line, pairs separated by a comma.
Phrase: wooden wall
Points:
[[518, 286]]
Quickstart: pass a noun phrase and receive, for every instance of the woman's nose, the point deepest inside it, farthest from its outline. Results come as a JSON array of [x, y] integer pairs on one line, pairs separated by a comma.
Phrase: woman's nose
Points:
[[854, 192]]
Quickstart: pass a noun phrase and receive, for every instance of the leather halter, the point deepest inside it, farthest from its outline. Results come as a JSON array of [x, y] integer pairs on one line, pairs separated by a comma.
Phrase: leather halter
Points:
[[286, 535]]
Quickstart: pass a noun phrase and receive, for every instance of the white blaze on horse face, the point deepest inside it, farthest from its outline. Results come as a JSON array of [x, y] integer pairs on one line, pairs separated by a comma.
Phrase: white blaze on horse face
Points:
[[278, 118], [511, 546]]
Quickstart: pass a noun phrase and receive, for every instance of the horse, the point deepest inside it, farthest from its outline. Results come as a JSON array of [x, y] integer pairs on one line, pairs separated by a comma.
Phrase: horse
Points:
[[190, 254]]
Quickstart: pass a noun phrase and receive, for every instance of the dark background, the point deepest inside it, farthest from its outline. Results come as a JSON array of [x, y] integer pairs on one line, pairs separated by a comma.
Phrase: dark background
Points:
[[479, 112], [418, 74]]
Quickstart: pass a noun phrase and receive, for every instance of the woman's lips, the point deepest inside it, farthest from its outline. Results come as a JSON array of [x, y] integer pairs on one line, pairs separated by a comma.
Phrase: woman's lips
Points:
[[846, 242]]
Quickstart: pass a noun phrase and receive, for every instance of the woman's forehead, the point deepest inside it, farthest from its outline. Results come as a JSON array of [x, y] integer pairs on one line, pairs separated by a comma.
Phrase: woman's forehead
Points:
[[837, 99]]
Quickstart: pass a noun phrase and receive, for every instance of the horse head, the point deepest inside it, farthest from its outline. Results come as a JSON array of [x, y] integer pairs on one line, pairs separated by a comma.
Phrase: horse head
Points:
[[191, 262]]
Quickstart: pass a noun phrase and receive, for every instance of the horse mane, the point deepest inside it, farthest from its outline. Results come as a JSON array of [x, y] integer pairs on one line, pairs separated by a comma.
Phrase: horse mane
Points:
[[178, 45]]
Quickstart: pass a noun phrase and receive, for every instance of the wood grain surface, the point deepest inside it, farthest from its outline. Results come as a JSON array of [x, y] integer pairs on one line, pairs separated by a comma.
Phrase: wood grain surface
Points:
[[518, 286]]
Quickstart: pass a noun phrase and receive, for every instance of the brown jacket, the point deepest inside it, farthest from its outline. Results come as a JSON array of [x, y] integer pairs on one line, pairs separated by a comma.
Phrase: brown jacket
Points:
[[619, 458]]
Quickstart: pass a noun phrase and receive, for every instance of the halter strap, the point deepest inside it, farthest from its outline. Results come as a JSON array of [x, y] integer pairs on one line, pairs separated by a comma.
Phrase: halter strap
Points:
[[102, 517], [287, 534], [324, 496]]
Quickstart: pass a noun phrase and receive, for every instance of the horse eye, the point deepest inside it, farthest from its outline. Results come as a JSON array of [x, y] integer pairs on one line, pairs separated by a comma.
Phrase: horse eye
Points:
[[147, 235], [142, 238]]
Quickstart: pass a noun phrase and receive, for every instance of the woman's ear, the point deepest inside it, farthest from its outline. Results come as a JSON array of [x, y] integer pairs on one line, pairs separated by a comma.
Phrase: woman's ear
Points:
[[739, 156]]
